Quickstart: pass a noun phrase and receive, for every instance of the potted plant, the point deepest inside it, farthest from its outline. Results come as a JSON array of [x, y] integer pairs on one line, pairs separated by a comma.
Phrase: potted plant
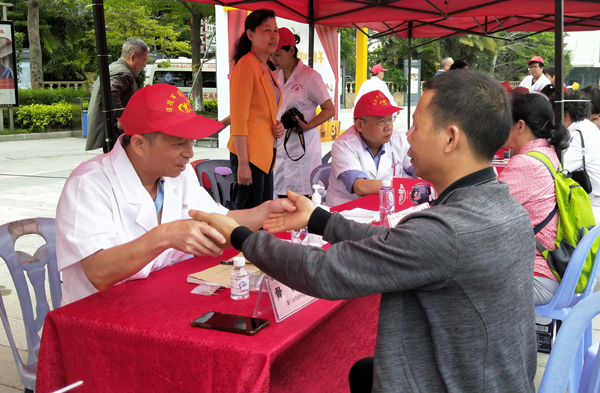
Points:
[[399, 85]]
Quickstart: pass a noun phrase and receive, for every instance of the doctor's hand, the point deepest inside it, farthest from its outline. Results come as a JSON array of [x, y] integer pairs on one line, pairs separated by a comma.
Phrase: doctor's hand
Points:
[[278, 130], [244, 174], [193, 237], [224, 225], [279, 222]]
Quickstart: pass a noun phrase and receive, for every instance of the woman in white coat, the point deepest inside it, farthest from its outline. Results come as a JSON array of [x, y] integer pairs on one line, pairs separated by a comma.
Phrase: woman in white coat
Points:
[[303, 89]]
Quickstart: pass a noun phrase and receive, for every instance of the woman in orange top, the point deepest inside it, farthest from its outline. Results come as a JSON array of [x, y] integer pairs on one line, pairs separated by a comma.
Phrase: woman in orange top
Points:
[[255, 100]]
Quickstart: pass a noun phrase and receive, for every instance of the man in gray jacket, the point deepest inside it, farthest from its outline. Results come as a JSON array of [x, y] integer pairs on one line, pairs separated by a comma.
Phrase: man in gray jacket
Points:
[[456, 312], [123, 84]]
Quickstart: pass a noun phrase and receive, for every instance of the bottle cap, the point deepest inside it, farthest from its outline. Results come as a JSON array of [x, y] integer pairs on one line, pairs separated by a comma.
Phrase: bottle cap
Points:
[[386, 183], [316, 196], [239, 262]]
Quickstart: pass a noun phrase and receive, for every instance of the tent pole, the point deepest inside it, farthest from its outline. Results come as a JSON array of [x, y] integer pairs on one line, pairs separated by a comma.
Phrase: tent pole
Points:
[[311, 33], [559, 107], [410, 25], [102, 54]]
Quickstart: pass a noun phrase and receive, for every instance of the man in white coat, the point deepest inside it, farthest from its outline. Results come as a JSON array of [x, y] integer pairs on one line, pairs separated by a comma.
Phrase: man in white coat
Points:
[[124, 214], [367, 153], [375, 83], [536, 80]]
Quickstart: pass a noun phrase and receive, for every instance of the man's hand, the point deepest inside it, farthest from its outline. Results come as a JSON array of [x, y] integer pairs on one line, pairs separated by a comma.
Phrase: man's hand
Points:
[[193, 237], [278, 130], [279, 222], [224, 225], [244, 174]]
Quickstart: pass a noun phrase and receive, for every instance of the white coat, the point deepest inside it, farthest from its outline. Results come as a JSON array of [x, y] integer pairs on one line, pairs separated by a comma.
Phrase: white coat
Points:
[[537, 86], [350, 153], [371, 85], [304, 90], [104, 204]]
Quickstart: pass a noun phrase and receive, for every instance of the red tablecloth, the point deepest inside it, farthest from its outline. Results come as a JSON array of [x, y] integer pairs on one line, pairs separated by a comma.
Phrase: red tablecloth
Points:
[[137, 337]]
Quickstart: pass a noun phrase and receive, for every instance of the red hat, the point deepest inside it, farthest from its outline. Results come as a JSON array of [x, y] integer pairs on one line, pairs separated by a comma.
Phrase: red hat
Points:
[[377, 68], [162, 107], [374, 103], [286, 38], [536, 59]]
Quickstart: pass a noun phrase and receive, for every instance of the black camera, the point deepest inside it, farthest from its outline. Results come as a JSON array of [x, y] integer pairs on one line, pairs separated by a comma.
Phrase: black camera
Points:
[[289, 118]]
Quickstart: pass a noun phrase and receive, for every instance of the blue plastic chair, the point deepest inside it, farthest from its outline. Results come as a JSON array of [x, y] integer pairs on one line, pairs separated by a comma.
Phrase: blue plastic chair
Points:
[[565, 299], [18, 262], [565, 351], [320, 175]]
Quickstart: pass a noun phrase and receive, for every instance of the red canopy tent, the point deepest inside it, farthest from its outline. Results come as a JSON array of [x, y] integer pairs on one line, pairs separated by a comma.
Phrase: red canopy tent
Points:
[[408, 19]]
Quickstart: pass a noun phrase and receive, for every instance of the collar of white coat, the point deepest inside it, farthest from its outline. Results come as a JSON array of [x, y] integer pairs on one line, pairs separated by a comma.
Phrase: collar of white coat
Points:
[[297, 71], [367, 148]]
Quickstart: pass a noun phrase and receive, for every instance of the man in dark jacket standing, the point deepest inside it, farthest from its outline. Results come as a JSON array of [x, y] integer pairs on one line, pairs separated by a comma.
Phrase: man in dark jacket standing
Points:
[[123, 84]]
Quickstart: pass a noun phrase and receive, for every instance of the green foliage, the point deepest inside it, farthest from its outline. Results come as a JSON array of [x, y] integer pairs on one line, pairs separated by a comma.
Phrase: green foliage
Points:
[[396, 75], [210, 106], [67, 59], [348, 50], [50, 96], [42, 118]]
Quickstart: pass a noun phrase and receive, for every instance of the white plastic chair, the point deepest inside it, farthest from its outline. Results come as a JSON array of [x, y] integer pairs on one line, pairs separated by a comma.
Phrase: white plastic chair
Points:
[[565, 299], [566, 349], [18, 262]]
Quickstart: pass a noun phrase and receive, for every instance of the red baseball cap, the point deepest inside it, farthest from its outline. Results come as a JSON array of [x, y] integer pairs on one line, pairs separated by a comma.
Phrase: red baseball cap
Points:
[[374, 103], [377, 68], [162, 107], [536, 59], [286, 38]]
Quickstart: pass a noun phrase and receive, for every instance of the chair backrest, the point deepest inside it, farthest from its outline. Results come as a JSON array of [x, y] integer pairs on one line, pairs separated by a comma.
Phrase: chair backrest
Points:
[[563, 355], [44, 259], [209, 167], [225, 185], [326, 157], [320, 175]]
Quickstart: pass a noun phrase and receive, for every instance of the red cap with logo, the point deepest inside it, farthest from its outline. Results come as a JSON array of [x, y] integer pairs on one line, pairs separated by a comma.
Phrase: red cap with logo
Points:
[[286, 38], [536, 59], [377, 68], [374, 103], [162, 107]]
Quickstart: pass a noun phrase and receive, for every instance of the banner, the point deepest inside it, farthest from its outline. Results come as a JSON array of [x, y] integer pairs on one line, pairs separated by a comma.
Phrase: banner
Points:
[[8, 66]]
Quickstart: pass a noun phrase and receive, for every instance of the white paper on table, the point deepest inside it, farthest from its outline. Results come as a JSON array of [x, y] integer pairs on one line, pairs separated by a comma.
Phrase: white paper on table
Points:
[[361, 215]]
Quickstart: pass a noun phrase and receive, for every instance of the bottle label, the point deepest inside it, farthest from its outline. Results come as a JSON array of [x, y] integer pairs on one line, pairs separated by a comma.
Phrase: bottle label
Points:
[[240, 286]]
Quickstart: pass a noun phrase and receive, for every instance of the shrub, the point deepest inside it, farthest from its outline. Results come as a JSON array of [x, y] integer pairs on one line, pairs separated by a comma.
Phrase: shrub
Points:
[[50, 96], [43, 118], [210, 106]]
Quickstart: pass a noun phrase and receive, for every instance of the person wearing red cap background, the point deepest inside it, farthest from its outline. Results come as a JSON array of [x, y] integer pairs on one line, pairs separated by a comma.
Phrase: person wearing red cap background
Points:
[[303, 89], [536, 80], [366, 153], [375, 83], [124, 214]]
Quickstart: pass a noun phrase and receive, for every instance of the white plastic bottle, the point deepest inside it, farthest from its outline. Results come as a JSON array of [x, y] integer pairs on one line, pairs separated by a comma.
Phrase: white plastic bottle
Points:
[[386, 202], [240, 280], [316, 240]]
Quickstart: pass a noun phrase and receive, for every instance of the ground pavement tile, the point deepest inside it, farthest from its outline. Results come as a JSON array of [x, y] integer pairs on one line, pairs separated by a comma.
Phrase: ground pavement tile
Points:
[[10, 389], [8, 372]]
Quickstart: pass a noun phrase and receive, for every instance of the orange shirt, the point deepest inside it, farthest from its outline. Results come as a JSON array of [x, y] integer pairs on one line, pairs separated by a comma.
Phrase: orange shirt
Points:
[[253, 110]]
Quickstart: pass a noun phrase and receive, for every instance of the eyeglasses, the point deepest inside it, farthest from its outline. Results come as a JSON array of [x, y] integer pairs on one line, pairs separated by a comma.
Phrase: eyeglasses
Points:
[[533, 67], [382, 120]]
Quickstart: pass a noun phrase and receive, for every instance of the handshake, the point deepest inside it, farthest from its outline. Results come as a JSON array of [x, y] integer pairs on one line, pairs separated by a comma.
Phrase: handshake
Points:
[[277, 216]]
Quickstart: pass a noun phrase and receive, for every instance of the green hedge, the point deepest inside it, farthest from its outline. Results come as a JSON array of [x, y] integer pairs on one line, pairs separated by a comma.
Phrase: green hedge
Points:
[[44, 118], [50, 96], [210, 106]]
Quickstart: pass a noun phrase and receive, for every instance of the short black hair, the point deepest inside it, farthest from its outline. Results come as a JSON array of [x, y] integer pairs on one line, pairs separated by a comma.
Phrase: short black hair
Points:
[[459, 65], [579, 110], [477, 104], [151, 137], [550, 70], [594, 93]]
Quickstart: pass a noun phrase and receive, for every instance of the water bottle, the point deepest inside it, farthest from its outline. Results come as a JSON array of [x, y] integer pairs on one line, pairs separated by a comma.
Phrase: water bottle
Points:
[[386, 202], [240, 280]]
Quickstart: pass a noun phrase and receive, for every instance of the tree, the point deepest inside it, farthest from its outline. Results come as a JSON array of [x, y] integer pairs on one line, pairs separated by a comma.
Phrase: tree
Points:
[[67, 58], [35, 46]]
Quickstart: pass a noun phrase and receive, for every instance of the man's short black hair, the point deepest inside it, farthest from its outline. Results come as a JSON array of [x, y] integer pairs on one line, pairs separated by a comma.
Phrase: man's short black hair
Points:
[[550, 70], [581, 108], [477, 104], [594, 93]]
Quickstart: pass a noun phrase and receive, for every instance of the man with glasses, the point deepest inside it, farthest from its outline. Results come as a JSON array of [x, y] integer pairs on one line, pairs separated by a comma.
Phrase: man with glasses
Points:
[[368, 152], [536, 80]]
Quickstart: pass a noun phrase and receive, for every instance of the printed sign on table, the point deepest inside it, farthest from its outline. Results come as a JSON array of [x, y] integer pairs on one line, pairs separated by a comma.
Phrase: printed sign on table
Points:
[[412, 192], [284, 300], [8, 66]]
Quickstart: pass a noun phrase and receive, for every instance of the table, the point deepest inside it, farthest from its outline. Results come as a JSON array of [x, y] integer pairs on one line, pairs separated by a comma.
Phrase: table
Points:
[[136, 336]]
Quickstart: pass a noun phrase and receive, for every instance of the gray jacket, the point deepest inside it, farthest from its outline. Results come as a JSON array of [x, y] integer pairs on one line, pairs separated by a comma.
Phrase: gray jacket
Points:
[[123, 84], [456, 280]]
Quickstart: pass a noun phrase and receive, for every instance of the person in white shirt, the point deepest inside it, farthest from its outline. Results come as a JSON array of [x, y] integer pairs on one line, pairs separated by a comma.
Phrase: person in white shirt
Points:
[[375, 83], [124, 214], [577, 113], [303, 89], [367, 153], [536, 80]]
